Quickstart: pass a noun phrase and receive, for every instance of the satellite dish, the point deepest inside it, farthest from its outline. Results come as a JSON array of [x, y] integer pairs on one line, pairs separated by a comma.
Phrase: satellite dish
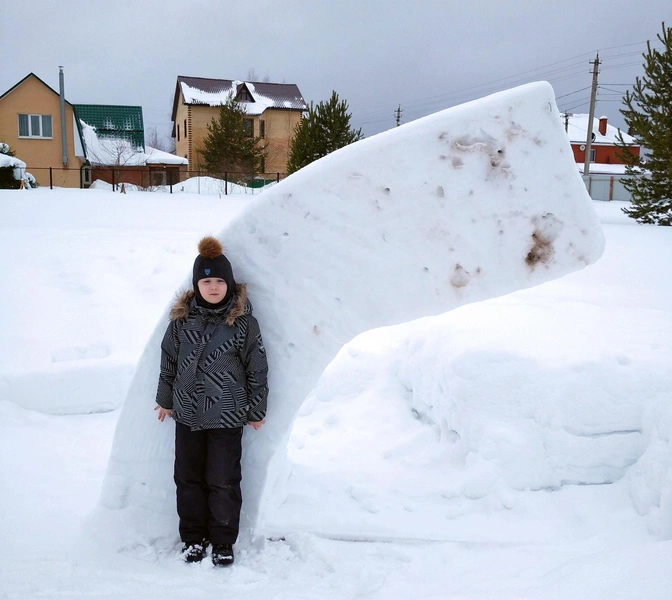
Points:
[[582, 147]]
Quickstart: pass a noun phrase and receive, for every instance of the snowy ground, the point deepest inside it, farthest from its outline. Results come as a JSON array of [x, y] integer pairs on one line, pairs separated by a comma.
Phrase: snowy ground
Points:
[[581, 365]]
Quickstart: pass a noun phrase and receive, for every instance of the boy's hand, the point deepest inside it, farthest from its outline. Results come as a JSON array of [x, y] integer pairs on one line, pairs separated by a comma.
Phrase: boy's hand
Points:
[[164, 412], [256, 424]]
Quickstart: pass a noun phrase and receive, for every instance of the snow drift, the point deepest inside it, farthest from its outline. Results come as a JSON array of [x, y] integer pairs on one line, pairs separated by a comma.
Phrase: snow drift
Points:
[[470, 203]]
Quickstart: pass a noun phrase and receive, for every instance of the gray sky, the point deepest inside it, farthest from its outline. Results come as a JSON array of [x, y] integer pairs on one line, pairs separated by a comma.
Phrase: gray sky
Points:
[[425, 55]]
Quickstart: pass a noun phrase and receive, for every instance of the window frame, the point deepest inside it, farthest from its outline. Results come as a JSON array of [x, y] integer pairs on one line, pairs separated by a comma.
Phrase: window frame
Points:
[[30, 121], [249, 131]]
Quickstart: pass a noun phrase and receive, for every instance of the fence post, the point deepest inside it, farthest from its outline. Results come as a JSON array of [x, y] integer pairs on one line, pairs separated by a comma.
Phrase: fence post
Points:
[[226, 184], [114, 187], [51, 179], [611, 188], [277, 177]]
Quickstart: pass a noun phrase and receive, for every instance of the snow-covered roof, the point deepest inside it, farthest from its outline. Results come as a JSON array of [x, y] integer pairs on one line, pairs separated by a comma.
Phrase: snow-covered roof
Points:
[[215, 92], [159, 157], [121, 151], [577, 128]]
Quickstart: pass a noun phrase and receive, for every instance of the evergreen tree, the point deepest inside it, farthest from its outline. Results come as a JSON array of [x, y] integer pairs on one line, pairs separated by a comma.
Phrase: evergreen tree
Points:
[[229, 147], [648, 115], [324, 129], [8, 180]]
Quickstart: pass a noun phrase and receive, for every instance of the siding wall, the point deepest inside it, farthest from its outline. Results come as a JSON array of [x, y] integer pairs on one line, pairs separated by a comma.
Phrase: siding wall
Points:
[[279, 129], [603, 154]]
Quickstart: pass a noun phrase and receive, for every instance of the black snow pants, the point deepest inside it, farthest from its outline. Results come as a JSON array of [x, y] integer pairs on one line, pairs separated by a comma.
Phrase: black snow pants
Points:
[[207, 476]]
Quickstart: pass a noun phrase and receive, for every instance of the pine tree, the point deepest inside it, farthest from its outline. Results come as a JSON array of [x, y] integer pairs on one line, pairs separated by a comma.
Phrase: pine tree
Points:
[[229, 148], [648, 115], [324, 129]]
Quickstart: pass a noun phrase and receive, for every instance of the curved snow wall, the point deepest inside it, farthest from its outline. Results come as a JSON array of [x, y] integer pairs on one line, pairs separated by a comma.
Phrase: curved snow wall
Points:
[[470, 203]]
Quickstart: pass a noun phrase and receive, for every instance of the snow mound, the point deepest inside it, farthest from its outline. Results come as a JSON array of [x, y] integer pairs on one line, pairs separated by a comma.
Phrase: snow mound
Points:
[[468, 204], [484, 420]]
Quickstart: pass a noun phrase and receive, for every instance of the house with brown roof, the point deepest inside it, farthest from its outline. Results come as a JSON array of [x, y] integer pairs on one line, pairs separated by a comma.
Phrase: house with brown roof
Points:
[[603, 150], [274, 110], [81, 143], [606, 168], [48, 141]]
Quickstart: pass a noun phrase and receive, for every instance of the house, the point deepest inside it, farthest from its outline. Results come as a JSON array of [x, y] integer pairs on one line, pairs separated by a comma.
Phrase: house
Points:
[[46, 138], [603, 148], [606, 170], [274, 110], [114, 143], [71, 145]]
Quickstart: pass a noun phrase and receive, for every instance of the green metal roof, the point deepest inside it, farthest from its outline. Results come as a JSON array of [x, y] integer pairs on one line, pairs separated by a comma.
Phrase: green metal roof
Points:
[[114, 121]]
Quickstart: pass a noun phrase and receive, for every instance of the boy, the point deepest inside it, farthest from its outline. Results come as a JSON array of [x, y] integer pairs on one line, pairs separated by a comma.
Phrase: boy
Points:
[[213, 381]]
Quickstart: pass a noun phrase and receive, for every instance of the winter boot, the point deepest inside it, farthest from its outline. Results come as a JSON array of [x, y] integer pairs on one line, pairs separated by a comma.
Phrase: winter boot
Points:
[[222, 555], [194, 551]]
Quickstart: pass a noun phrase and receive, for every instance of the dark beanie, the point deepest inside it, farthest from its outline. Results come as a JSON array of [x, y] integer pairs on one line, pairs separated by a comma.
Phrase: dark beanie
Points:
[[211, 262]]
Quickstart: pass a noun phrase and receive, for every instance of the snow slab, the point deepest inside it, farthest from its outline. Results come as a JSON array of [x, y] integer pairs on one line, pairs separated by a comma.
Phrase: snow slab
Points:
[[105, 258], [471, 203]]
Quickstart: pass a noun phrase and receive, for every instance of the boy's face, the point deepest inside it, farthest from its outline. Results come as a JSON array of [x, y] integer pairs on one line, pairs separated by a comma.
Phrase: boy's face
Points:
[[212, 289]]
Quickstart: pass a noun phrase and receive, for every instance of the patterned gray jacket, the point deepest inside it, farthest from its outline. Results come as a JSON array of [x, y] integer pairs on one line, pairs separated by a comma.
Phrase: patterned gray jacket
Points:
[[213, 364]]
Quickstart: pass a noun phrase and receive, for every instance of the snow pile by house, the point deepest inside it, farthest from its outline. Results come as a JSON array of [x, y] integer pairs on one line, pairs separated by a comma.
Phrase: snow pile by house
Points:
[[467, 204], [194, 185], [107, 150]]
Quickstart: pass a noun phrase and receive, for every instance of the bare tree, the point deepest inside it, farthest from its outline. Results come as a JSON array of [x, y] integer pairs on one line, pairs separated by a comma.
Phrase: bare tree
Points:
[[155, 140]]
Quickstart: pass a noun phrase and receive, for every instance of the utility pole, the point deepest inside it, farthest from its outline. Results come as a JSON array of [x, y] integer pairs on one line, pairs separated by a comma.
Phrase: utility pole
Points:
[[397, 114], [591, 116]]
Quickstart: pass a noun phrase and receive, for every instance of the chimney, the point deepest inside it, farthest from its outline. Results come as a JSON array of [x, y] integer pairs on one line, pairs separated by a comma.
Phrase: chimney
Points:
[[64, 145], [603, 125]]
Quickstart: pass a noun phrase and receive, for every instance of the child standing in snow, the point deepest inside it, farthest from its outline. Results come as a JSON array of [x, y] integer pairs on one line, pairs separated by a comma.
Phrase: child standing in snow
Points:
[[212, 383]]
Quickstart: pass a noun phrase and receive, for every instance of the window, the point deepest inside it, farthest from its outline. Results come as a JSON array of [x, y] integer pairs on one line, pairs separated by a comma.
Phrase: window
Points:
[[178, 133], [249, 127], [262, 129], [86, 176], [35, 126], [592, 155], [185, 128]]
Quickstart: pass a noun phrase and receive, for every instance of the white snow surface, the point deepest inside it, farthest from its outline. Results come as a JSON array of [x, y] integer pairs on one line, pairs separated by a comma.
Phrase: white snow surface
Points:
[[468, 204], [108, 263], [11, 161]]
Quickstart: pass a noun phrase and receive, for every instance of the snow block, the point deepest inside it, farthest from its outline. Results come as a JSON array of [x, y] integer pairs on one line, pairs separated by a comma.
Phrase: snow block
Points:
[[467, 204]]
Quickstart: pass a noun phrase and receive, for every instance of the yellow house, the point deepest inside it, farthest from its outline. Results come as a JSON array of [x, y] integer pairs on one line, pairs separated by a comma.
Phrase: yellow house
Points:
[[32, 124], [274, 109]]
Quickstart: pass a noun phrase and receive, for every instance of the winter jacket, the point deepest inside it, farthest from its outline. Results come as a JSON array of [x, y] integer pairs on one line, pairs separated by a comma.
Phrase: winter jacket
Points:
[[213, 364]]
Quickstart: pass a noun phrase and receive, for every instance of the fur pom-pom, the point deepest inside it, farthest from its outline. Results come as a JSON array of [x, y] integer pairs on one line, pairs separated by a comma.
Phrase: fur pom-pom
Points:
[[210, 247]]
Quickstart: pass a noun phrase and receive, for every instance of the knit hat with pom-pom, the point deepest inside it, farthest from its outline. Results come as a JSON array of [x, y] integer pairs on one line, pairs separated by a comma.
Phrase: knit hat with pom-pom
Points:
[[211, 262]]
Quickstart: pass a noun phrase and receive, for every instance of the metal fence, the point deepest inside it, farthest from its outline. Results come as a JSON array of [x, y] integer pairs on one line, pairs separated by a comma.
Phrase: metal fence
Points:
[[153, 178], [607, 188]]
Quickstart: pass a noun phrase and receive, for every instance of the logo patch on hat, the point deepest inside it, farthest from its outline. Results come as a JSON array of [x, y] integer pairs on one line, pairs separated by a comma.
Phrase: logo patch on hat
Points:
[[207, 271]]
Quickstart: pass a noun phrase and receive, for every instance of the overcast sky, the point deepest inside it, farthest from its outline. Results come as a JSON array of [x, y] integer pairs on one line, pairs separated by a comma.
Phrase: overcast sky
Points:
[[425, 55]]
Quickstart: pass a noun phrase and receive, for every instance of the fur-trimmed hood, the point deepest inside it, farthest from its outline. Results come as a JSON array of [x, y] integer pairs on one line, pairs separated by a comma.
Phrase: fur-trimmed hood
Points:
[[183, 303]]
